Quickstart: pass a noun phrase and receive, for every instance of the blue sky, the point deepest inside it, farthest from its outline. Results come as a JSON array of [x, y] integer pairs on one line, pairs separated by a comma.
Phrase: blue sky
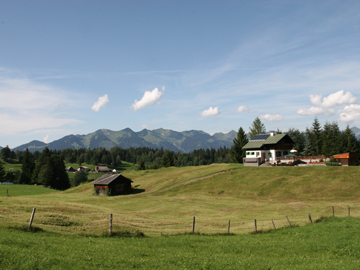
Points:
[[72, 67]]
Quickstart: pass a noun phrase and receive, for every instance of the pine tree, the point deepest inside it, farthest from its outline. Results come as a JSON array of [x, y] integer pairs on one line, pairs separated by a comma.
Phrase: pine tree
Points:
[[349, 140], [308, 149], [316, 136], [28, 167], [237, 153], [2, 172], [257, 127]]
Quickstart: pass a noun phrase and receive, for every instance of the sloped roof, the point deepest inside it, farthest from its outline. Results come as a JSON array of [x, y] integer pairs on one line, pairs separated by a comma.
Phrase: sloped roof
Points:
[[270, 140], [106, 179]]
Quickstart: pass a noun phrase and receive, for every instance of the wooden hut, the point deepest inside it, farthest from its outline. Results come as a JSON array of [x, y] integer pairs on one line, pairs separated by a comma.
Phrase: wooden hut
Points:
[[102, 169], [113, 184], [347, 159]]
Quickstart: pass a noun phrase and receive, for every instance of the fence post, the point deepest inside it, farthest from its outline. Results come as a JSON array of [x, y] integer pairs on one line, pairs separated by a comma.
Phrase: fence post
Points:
[[110, 225], [273, 224], [255, 225], [229, 227], [7, 193], [333, 210], [288, 221], [310, 218], [32, 217], [349, 211], [193, 225]]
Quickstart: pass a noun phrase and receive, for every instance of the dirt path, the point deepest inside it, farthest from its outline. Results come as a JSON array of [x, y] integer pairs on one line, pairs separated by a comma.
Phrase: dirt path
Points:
[[195, 179]]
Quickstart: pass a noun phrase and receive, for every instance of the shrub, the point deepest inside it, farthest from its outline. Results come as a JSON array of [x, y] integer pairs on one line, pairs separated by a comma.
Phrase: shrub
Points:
[[329, 163]]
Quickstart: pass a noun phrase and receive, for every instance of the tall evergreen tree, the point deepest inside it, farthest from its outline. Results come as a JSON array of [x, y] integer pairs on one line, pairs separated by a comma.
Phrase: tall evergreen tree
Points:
[[349, 141], [257, 127], [316, 136], [2, 172], [309, 148], [298, 138], [237, 153], [28, 167], [168, 159]]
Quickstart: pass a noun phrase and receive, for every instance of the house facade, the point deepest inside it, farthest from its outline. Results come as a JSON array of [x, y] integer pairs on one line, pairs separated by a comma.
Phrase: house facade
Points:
[[267, 148]]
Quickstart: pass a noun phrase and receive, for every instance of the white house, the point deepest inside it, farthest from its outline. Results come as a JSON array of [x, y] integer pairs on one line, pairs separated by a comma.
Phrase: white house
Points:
[[267, 147]]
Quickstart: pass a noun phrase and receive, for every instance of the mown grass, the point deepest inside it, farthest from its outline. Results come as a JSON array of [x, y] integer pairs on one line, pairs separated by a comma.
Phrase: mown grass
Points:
[[23, 190], [167, 199], [330, 244]]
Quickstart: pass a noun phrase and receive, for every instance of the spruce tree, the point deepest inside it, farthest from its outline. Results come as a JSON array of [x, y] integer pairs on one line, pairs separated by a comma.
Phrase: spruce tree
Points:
[[349, 141], [28, 167], [237, 153], [316, 136], [2, 172], [257, 127]]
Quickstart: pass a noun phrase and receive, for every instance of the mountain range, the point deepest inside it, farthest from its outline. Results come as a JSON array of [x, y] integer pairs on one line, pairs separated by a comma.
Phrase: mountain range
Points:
[[185, 141]]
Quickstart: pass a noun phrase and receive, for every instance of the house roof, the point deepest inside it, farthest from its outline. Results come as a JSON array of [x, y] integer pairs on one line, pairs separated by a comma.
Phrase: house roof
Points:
[[269, 140], [106, 179]]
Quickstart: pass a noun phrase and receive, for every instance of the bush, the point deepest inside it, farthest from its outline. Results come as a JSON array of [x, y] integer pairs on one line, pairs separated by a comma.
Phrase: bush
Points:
[[80, 177], [329, 163]]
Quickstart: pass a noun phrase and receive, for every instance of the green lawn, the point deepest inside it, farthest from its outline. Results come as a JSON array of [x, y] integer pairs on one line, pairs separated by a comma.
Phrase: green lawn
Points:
[[333, 243], [23, 190]]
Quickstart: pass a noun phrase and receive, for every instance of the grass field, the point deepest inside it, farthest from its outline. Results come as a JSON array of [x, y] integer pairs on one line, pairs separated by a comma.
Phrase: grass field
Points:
[[333, 243], [165, 201]]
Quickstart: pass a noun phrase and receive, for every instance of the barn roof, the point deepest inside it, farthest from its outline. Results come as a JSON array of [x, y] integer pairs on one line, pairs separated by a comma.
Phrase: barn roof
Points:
[[106, 179]]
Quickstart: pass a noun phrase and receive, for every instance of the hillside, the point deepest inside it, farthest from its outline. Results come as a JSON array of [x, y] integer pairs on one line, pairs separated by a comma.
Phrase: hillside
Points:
[[186, 141], [166, 200]]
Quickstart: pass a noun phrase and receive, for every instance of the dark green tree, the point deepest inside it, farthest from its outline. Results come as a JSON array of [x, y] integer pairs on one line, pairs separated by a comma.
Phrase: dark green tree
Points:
[[5, 153], [2, 172], [237, 153], [316, 137], [28, 167], [349, 141], [298, 138], [309, 148], [257, 127], [168, 159], [80, 177]]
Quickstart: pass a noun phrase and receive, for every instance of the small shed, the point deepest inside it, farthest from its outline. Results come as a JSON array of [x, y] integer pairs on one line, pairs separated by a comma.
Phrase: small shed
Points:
[[347, 159], [102, 169], [82, 168], [70, 169], [113, 183]]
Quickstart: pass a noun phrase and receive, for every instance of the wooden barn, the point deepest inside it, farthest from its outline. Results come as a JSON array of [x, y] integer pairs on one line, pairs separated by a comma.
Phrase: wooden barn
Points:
[[113, 183], [347, 159], [102, 169]]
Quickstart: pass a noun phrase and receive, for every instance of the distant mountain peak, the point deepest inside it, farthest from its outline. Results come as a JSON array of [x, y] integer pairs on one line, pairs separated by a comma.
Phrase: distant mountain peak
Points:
[[185, 141]]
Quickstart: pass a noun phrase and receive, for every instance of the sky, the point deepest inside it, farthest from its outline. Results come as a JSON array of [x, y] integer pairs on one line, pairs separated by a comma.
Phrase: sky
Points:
[[73, 67]]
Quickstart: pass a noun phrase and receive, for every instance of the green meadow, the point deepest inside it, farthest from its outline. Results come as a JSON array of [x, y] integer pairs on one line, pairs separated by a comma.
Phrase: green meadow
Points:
[[151, 226]]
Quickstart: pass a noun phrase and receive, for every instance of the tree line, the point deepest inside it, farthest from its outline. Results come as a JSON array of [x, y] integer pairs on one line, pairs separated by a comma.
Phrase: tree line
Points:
[[317, 140]]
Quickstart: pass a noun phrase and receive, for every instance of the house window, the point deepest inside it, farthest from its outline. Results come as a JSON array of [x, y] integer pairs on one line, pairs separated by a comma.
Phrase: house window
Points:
[[285, 153], [278, 153], [252, 153], [247, 153], [270, 154]]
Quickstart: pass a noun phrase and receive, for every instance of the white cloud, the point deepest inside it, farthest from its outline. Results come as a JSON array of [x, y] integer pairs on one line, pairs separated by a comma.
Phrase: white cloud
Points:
[[350, 113], [101, 102], [315, 111], [46, 138], [272, 118], [210, 112], [335, 99], [149, 98], [26, 106], [243, 108]]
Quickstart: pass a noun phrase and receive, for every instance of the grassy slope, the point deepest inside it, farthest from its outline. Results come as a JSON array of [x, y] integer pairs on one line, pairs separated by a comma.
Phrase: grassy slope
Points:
[[333, 244], [236, 193]]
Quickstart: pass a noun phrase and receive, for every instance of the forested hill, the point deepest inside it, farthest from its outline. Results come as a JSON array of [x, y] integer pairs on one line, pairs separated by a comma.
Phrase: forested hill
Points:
[[185, 141]]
